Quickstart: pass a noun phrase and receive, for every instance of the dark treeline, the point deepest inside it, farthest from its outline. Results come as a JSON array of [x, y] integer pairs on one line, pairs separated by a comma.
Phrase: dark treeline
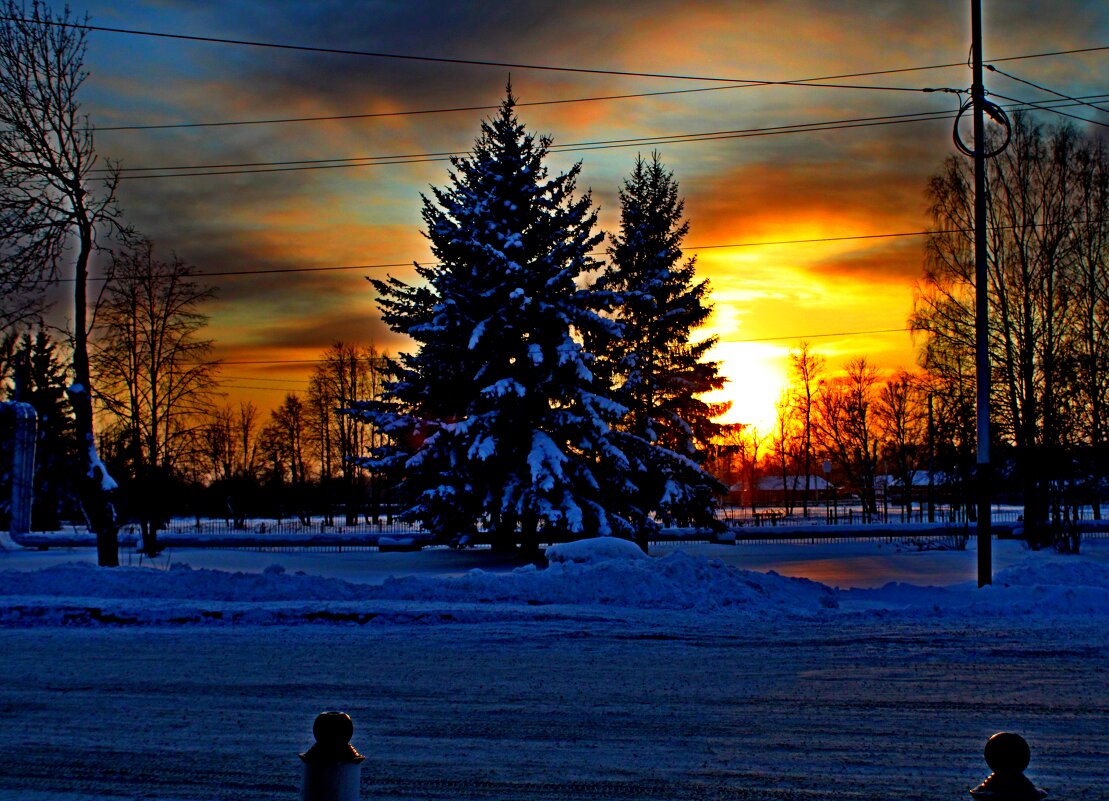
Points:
[[857, 435], [1049, 352], [1049, 320]]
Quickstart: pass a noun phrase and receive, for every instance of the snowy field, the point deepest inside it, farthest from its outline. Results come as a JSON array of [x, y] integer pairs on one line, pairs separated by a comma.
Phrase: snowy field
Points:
[[694, 674]]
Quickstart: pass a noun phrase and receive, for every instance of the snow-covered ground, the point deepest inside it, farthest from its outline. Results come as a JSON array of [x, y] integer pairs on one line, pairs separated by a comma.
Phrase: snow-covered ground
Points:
[[829, 671]]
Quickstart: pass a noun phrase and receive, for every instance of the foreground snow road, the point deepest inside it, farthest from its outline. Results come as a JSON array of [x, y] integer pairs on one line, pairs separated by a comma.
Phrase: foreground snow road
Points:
[[601, 705]]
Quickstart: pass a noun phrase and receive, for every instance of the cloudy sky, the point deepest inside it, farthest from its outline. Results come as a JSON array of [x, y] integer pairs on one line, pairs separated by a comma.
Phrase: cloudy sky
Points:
[[776, 186]]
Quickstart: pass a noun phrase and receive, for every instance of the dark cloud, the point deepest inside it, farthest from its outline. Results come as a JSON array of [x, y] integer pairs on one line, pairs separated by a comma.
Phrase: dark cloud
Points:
[[817, 184], [898, 263], [316, 334]]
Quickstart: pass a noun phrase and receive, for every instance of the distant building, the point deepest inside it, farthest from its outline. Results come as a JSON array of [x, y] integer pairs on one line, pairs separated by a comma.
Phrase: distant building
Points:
[[794, 484], [771, 490]]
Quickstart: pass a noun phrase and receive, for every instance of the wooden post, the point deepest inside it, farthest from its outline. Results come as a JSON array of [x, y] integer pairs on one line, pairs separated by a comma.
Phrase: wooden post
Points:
[[981, 304]]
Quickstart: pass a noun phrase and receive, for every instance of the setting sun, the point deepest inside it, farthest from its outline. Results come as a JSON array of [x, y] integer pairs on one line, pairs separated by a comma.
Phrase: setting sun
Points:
[[756, 374]]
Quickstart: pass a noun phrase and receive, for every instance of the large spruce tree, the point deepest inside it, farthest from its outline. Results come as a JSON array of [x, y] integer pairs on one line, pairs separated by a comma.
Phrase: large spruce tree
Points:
[[658, 372], [497, 415]]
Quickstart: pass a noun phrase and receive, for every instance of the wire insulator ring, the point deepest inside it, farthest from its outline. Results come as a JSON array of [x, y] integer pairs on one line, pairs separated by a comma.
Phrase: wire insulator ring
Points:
[[995, 113]]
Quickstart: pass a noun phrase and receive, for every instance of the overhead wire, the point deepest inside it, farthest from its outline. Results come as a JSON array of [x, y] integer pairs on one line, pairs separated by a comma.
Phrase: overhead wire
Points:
[[818, 336], [780, 338], [992, 68], [771, 243], [1053, 109], [370, 115], [570, 146], [346, 162], [416, 112], [271, 389], [450, 110], [255, 378], [447, 60]]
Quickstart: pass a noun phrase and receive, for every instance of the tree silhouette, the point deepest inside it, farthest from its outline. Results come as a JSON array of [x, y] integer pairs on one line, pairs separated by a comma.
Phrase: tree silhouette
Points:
[[53, 203], [657, 372], [154, 371]]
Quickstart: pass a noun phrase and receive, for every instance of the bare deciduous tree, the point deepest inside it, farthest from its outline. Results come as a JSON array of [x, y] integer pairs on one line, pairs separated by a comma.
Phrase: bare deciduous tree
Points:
[[1091, 290], [53, 205], [848, 431], [155, 376], [902, 416], [784, 447], [230, 449], [347, 374], [808, 367], [1048, 309], [284, 439]]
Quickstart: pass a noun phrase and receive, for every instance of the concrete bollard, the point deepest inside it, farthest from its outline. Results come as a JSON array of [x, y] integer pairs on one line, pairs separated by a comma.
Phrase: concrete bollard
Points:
[[1007, 754], [332, 768]]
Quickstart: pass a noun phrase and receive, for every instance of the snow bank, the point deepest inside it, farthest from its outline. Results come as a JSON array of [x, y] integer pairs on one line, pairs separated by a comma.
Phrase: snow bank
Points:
[[675, 581], [1032, 589], [593, 551], [606, 573]]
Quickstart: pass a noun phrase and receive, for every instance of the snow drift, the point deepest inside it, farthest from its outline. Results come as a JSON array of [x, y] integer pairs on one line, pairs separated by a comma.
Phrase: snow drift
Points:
[[604, 573]]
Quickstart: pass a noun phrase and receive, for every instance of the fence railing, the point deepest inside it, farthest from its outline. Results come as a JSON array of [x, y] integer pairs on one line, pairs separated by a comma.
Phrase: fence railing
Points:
[[293, 536]]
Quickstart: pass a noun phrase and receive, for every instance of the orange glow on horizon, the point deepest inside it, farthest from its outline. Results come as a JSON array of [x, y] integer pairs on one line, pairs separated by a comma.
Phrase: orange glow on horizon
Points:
[[755, 377]]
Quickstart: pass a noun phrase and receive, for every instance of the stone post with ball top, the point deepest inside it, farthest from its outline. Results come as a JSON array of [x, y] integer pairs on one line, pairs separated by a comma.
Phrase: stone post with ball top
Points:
[[1008, 755], [332, 768]]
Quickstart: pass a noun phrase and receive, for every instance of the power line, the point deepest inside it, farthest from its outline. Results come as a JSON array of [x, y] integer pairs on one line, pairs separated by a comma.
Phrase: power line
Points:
[[992, 68], [349, 267], [722, 341], [453, 109], [447, 60], [276, 270], [439, 155], [276, 361], [889, 235], [729, 341], [821, 239], [819, 336], [568, 148], [271, 389], [372, 115], [1071, 52], [254, 378], [279, 169], [1052, 109], [248, 168], [814, 240], [334, 117]]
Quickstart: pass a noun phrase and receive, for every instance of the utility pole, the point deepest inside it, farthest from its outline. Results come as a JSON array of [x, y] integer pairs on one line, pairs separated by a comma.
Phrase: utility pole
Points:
[[981, 304], [931, 459]]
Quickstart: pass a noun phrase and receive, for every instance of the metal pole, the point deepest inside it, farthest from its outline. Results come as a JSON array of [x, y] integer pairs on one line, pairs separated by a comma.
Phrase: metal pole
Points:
[[981, 305], [931, 460]]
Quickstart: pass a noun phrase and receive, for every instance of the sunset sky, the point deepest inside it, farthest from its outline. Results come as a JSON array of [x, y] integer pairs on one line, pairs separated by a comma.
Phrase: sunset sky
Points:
[[739, 190]]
